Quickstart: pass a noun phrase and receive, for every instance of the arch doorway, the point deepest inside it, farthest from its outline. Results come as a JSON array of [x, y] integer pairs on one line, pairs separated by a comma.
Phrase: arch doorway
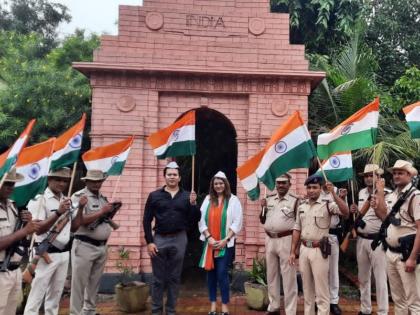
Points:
[[217, 150]]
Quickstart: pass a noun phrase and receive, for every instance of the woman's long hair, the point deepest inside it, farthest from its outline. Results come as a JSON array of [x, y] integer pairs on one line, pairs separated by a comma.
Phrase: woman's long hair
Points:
[[213, 194]]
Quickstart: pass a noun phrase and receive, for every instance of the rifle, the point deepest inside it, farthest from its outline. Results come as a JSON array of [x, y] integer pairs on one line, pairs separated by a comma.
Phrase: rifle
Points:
[[107, 218], [41, 250], [14, 248], [391, 219]]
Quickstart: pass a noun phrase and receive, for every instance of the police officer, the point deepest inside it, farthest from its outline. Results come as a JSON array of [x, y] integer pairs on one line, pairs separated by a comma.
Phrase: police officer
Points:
[[48, 283], [402, 274], [312, 227], [278, 217], [369, 260], [89, 252], [11, 279], [335, 230]]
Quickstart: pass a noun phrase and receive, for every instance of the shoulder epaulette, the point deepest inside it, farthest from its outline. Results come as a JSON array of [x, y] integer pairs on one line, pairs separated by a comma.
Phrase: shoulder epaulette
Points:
[[37, 197], [272, 195]]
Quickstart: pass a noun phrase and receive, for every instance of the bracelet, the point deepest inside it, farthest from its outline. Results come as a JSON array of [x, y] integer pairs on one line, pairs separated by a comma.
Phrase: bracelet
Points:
[[208, 236]]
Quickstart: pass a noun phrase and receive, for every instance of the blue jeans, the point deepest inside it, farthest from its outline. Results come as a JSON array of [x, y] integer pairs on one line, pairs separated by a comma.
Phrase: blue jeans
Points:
[[219, 275]]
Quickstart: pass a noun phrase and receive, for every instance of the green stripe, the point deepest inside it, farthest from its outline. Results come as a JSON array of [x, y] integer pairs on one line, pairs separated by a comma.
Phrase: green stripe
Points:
[[116, 168], [354, 141], [297, 157], [181, 148], [223, 227], [64, 160], [22, 194], [254, 193], [414, 129], [7, 166], [338, 175]]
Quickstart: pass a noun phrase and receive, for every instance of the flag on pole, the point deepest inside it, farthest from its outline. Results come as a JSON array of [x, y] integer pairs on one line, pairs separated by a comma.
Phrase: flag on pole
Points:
[[290, 147], [109, 159], [176, 140], [412, 115], [67, 146], [338, 168], [356, 132], [33, 164], [248, 177], [8, 159]]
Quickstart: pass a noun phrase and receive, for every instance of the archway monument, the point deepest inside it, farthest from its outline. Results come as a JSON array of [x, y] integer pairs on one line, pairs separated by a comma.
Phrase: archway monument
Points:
[[170, 56]]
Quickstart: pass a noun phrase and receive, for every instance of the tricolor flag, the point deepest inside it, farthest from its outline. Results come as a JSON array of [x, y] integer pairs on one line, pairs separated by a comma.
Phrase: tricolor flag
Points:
[[290, 147], [33, 164], [176, 140], [8, 159], [248, 177], [412, 115], [109, 159], [356, 132], [67, 146], [338, 168]]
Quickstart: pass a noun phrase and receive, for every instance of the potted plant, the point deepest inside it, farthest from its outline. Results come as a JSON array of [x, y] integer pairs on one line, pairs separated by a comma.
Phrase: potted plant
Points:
[[131, 296], [256, 288]]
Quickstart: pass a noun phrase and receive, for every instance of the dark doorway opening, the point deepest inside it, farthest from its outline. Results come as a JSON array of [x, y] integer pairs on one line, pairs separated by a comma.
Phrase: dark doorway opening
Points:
[[216, 151]]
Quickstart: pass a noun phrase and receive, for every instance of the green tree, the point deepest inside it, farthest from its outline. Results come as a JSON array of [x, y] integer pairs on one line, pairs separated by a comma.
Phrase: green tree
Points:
[[38, 16], [44, 88], [406, 89], [322, 25]]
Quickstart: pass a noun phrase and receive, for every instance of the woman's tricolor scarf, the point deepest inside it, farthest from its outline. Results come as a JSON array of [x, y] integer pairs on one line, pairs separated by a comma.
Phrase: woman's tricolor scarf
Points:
[[216, 224]]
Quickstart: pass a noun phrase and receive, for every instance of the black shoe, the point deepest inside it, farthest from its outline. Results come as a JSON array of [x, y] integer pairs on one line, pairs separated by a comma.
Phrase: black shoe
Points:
[[273, 313], [212, 313], [224, 313], [360, 313], [335, 309]]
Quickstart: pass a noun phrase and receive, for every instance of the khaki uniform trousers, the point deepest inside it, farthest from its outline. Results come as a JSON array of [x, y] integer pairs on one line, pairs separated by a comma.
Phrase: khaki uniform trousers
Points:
[[277, 255], [404, 289], [369, 260], [314, 271], [334, 278], [10, 291], [88, 263], [48, 283]]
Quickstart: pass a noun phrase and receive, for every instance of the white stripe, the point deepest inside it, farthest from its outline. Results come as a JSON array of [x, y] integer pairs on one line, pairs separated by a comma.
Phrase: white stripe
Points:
[[33, 171], [250, 182], [75, 141], [185, 133], [370, 120], [292, 140], [344, 161], [414, 115], [17, 147], [106, 163]]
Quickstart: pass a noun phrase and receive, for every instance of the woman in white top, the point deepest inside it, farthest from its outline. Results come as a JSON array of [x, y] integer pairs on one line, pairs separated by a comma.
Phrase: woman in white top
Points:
[[221, 221]]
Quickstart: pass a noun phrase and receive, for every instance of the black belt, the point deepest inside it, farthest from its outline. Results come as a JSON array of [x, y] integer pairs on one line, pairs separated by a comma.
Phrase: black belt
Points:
[[368, 236], [335, 231], [90, 240], [12, 266], [169, 234], [54, 250]]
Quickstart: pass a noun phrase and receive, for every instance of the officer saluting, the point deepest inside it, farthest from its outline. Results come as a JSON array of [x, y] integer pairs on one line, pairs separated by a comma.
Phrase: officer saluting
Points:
[[403, 233], [278, 216], [11, 276], [312, 229]]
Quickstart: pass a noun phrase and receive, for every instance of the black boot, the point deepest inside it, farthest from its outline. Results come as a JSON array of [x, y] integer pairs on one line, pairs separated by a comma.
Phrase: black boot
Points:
[[335, 309]]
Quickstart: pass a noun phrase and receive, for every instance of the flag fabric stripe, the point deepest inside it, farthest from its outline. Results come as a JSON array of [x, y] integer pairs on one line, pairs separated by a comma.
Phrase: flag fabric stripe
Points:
[[248, 177], [338, 168], [185, 134], [361, 126], [22, 194], [109, 150], [412, 116], [107, 163]]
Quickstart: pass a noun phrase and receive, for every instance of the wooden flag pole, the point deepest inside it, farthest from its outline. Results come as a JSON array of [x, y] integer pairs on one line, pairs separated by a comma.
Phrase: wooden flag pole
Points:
[[115, 188], [192, 172], [73, 173], [322, 170], [3, 179], [265, 197]]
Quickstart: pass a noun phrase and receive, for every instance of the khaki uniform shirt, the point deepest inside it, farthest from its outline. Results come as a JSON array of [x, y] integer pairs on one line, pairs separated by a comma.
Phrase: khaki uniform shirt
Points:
[[408, 226], [44, 206], [280, 213], [335, 219], [8, 219], [95, 203], [373, 222], [313, 220]]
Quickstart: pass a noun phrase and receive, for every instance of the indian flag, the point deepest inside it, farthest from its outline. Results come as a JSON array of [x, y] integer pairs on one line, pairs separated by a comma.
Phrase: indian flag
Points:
[[338, 168], [109, 159], [8, 159], [176, 140], [356, 132], [68, 145], [248, 177], [290, 147], [412, 115], [33, 164]]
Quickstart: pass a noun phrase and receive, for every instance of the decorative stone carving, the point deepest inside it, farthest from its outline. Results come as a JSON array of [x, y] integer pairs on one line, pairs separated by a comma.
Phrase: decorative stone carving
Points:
[[279, 107], [154, 21], [256, 26], [126, 103]]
